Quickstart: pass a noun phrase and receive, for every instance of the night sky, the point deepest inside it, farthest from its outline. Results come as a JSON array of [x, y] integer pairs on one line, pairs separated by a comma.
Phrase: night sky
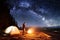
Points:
[[36, 12]]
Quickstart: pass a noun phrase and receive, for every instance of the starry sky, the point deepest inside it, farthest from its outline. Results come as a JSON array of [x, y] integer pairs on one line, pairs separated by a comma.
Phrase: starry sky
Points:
[[45, 13]]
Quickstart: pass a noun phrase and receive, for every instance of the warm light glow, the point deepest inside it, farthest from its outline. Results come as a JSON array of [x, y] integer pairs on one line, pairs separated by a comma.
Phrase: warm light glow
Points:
[[12, 30], [30, 31], [8, 30]]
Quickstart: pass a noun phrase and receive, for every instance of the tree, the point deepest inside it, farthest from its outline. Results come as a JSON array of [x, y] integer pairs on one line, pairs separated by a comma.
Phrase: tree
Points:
[[5, 18]]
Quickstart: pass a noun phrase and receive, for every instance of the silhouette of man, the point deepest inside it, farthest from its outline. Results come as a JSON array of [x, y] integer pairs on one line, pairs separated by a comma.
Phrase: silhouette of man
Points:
[[23, 28]]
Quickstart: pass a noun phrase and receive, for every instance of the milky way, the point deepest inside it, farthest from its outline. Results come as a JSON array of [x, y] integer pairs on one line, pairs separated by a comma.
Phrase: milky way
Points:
[[36, 12]]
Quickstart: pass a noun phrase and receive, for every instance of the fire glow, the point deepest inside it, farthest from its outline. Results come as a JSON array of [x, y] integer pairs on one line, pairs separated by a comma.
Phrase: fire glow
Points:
[[31, 31]]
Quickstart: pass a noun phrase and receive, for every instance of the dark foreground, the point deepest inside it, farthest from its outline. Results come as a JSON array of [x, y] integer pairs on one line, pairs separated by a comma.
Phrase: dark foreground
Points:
[[46, 34]]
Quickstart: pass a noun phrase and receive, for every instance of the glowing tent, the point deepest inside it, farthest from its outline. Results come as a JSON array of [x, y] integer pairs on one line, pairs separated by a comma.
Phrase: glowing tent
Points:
[[12, 30]]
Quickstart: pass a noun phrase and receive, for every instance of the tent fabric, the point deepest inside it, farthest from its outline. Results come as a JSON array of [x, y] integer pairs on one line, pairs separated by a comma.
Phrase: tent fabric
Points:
[[12, 30]]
